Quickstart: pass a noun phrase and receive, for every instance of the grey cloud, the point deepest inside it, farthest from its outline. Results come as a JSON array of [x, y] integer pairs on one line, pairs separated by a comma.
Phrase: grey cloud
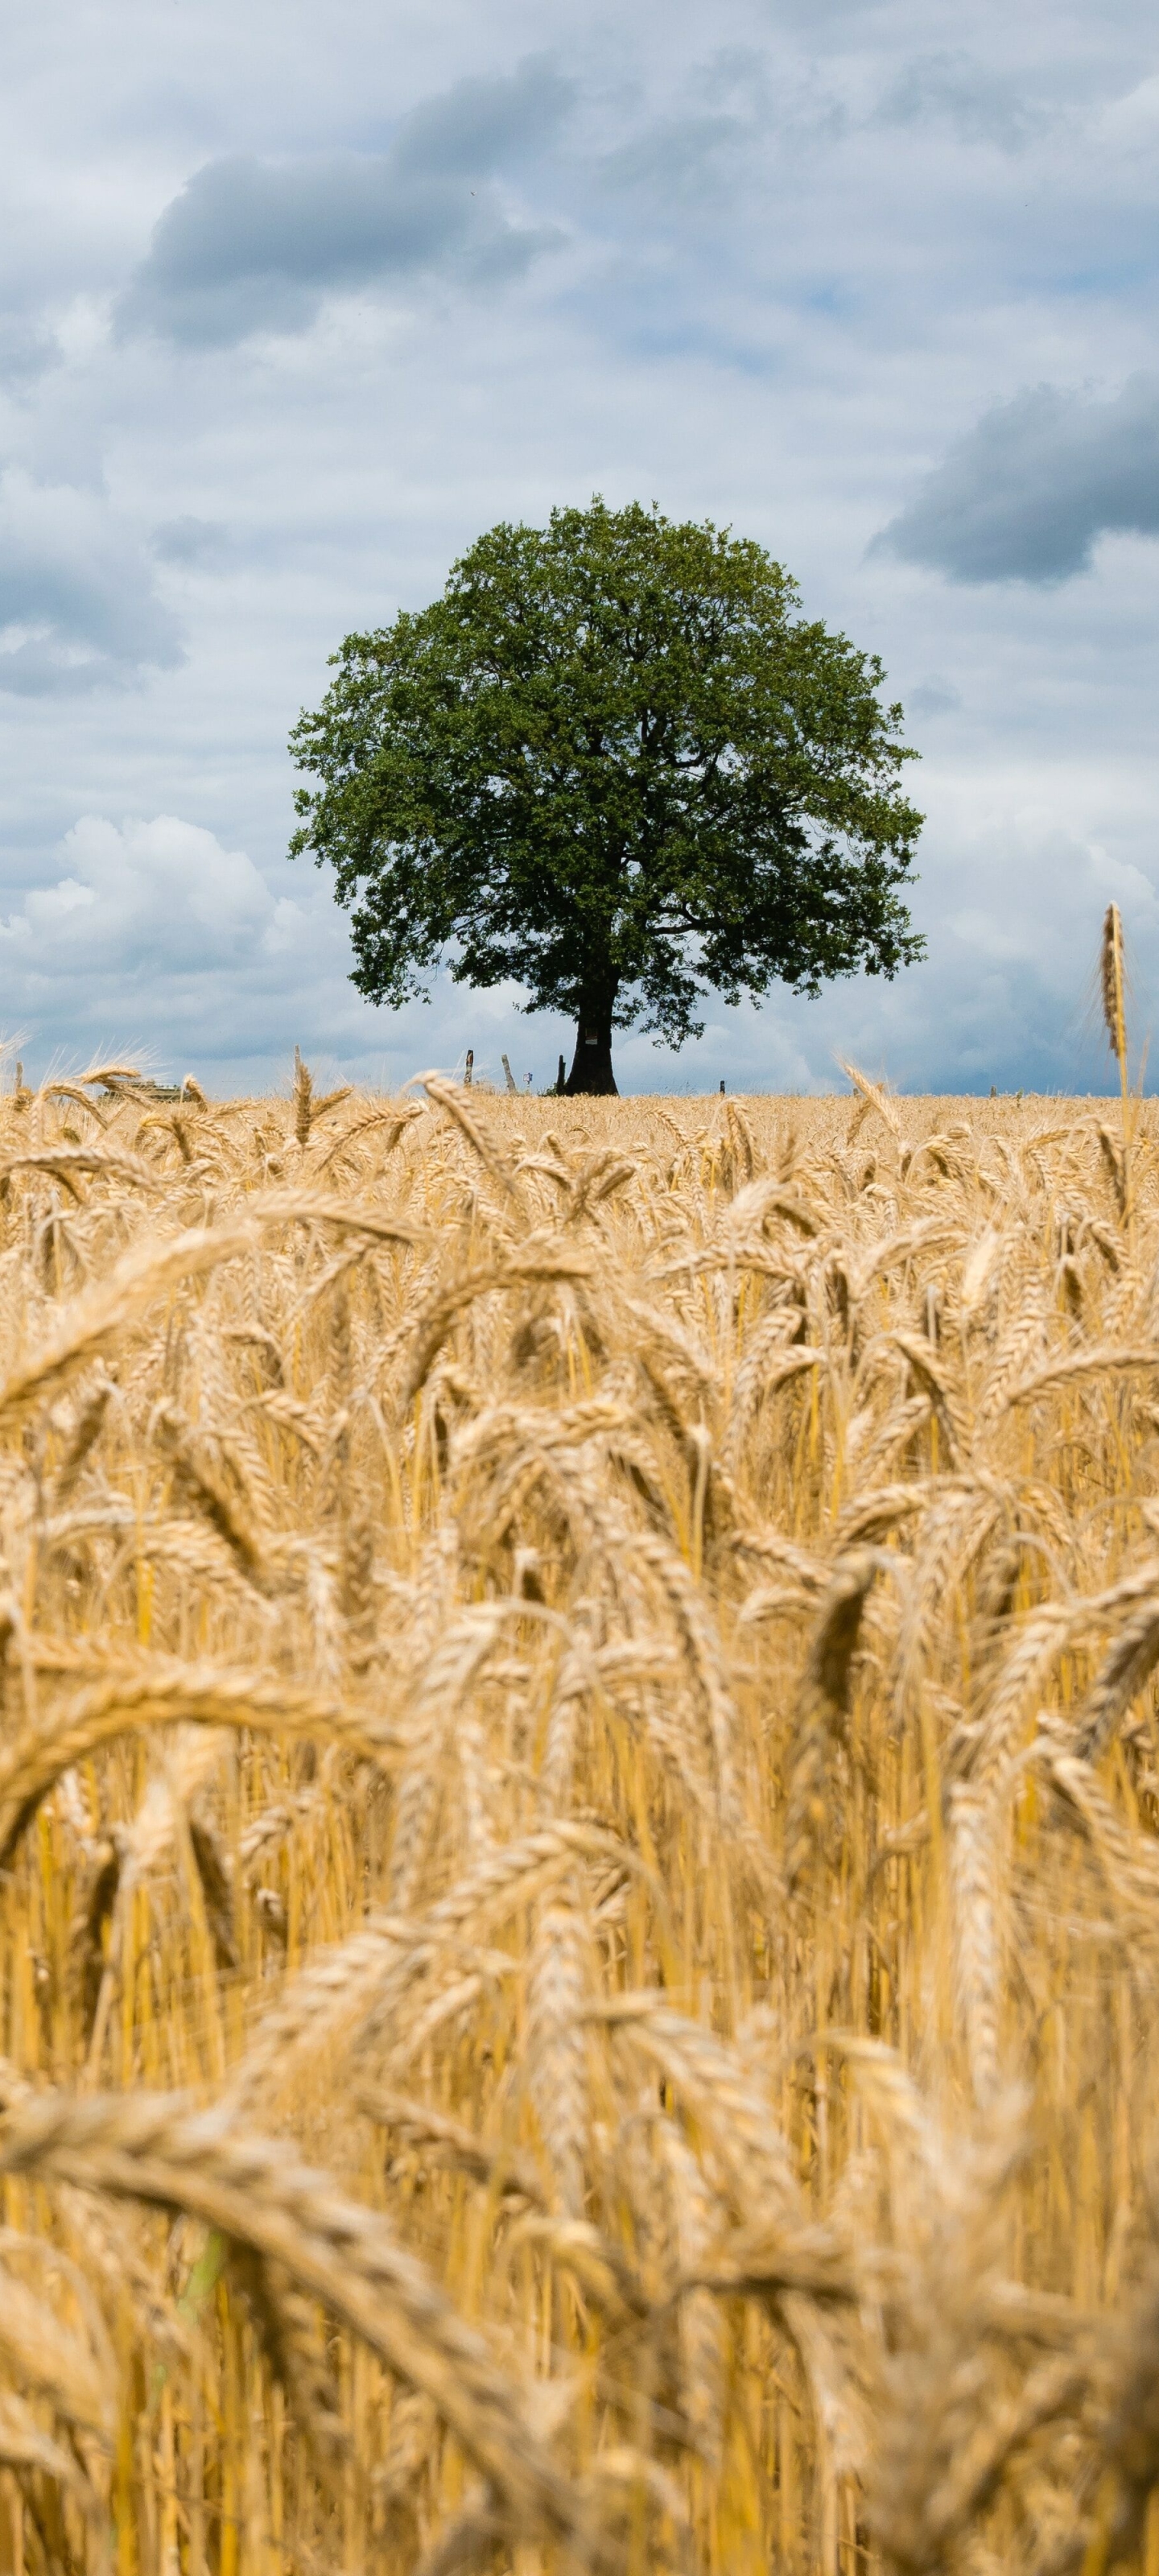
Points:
[[697, 153], [253, 245], [484, 125], [26, 352], [77, 603], [203, 545], [678, 161], [1026, 494], [959, 92], [933, 697]]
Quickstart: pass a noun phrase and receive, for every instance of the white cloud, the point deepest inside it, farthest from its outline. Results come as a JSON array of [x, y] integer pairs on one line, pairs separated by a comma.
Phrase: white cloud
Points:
[[160, 897], [1131, 123], [158, 935]]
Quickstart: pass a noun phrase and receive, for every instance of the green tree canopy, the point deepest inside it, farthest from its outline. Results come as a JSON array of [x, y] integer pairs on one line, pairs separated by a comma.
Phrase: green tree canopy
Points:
[[613, 763]]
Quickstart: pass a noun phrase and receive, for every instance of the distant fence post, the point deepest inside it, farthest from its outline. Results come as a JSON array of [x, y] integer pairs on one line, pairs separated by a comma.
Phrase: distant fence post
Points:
[[561, 1078], [469, 1066]]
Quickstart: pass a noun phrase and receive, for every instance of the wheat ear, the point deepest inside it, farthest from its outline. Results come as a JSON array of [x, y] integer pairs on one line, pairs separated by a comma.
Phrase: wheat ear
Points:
[[257, 2194], [557, 2044], [1111, 984], [823, 1706], [163, 1695]]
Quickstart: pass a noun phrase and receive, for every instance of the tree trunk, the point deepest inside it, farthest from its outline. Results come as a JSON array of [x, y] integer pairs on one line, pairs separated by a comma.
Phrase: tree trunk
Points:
[[591, 1070]]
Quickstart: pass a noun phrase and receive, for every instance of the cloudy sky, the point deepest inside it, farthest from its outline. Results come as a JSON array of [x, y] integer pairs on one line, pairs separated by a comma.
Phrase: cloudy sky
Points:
[[294, 300]]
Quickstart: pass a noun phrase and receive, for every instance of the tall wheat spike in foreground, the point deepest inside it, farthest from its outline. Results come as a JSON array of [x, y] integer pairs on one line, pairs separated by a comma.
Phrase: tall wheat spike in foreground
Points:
[[579, 1814], [1112, 982]]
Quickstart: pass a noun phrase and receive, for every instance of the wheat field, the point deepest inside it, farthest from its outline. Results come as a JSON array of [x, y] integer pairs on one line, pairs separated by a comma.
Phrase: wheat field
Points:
[[579, 1802]]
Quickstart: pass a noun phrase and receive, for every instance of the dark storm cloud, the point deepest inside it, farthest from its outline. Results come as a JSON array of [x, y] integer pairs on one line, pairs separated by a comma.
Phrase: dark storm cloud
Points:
[[252, 245], [77, 603], [1026, 494]]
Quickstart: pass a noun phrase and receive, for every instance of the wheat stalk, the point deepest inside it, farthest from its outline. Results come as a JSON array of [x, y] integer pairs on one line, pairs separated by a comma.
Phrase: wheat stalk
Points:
[[449, 1597]]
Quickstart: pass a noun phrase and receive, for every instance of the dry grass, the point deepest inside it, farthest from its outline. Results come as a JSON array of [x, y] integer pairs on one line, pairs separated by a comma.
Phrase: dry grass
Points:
[[579, 1800]]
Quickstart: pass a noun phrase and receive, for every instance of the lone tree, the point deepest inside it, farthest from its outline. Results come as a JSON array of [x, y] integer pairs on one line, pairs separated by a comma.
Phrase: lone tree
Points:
[[612, 763]]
